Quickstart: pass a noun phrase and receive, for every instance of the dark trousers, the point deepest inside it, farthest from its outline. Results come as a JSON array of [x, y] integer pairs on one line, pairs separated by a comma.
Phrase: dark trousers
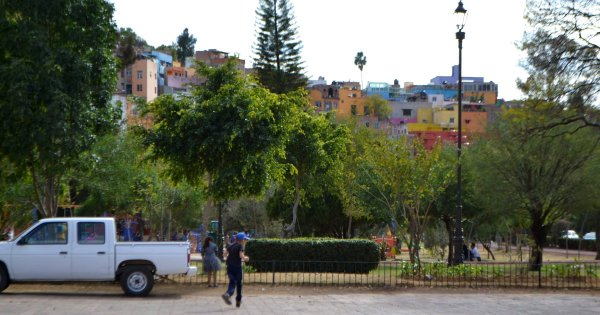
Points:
[[235, 281]]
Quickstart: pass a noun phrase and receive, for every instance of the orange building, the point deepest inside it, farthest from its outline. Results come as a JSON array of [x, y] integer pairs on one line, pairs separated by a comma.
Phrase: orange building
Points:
[[343, 98]]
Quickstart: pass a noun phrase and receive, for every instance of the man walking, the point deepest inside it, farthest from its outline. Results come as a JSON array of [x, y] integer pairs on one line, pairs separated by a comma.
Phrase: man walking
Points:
[[234, 255]]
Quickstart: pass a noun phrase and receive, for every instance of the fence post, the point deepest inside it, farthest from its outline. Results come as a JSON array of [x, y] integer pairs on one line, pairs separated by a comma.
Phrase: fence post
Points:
[[540, 277], [273, 272]]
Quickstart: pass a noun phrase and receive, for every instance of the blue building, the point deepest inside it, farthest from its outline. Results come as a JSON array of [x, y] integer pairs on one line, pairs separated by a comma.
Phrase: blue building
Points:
[[453, 79]]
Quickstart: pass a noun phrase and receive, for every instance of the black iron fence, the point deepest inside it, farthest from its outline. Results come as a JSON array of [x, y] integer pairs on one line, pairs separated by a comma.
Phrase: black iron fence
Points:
[[576, 275]]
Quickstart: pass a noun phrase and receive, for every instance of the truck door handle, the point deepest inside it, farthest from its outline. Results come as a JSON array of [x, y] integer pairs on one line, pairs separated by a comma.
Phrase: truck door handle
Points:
[[63, 253], [101, 253]]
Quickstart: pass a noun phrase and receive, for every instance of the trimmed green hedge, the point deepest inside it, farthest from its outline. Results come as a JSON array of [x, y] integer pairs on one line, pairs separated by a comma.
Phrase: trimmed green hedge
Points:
[[313, 255]]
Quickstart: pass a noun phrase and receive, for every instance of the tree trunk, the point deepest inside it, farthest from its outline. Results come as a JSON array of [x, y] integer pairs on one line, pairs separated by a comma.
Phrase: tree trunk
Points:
[[46, 192], [415, 239], [449, 228], [538, 232], [487, 248], [597, 243], [289, 229], [220, 237], [349, 233], [210, 205]]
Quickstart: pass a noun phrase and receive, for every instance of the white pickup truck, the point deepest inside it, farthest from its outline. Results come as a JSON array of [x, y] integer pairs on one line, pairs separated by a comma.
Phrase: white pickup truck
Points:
[[86, 249]]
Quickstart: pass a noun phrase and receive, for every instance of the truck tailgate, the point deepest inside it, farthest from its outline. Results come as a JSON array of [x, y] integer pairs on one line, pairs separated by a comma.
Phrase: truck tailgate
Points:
[[168, 257]]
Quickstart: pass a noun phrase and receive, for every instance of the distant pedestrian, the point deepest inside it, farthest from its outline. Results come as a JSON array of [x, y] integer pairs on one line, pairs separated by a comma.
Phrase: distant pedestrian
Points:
[[466, 253], [210, 262], [127, 228], [475, 253], [234, 255]]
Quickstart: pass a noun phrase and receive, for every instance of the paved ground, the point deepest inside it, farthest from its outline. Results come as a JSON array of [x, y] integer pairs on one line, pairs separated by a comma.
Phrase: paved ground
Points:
[[69, 299]]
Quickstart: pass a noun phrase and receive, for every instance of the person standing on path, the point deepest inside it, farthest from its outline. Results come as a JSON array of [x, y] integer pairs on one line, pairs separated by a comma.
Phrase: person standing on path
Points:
[[475, 253], [234, 255], [210, 262]]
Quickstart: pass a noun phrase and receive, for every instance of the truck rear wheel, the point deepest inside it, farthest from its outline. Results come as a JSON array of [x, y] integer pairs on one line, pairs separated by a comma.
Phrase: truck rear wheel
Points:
[[4, 281], [137, 281]]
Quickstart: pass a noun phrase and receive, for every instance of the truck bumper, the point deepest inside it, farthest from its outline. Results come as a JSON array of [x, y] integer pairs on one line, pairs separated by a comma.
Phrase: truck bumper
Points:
[[192, 271]]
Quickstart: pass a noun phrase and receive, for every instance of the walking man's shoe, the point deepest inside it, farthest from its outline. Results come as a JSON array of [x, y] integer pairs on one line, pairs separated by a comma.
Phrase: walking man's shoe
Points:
[[226, 298], [238, 303]]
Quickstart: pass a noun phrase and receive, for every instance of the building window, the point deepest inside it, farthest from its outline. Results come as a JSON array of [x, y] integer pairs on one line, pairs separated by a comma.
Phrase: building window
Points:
[[140, 74], [367, 110], [434, 98], [335, 106], [406, 112], [353, 110], [318, 104], [128, 73], [451, 120], [327, 105], [139, 88]]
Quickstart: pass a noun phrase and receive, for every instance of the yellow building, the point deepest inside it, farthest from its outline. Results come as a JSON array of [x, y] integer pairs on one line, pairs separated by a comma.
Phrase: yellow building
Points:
[[445, 118]]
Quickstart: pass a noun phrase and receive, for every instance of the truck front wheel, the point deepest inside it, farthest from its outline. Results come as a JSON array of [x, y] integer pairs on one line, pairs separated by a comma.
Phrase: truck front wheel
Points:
[[137, 281], [3, 277]]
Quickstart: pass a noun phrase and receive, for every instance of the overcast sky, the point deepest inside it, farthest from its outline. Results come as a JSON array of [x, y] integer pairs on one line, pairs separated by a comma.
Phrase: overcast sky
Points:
[[408, 40]]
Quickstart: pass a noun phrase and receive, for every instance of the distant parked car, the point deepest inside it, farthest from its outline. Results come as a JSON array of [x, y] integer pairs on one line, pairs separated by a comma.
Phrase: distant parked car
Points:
[[590, 236], [572, 235]]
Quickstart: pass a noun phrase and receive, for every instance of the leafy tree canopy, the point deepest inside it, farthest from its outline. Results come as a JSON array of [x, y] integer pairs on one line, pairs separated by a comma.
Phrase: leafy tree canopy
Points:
[[535, 176], [229, 128], [563, 52], [129, 45], [57, 75]]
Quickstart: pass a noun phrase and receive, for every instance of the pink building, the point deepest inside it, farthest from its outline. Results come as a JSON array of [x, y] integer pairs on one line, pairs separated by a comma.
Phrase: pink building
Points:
[[144, 78]]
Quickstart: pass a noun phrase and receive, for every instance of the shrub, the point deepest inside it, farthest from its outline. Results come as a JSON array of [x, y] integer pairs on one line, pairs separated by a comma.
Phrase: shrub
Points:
[[313, 255]]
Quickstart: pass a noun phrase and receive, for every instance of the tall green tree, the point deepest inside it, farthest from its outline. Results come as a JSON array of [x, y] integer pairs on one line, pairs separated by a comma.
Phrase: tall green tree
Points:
[[563, 60], [409, 181], [535, 176], [57, 74], [229, 132], [129, 45], [278, 64], [185, 46], [360, 60], [15, 199], [314, 153]]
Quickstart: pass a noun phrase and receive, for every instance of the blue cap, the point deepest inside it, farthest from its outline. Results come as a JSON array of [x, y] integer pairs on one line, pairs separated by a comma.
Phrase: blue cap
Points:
[[242, 236]]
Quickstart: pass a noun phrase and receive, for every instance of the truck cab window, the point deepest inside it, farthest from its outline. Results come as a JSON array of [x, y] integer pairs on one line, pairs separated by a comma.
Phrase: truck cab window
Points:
[[47, 234], [91, 233]]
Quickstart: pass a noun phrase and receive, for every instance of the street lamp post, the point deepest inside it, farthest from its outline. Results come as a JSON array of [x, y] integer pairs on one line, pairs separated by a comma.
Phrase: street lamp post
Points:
[[458, 239]]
